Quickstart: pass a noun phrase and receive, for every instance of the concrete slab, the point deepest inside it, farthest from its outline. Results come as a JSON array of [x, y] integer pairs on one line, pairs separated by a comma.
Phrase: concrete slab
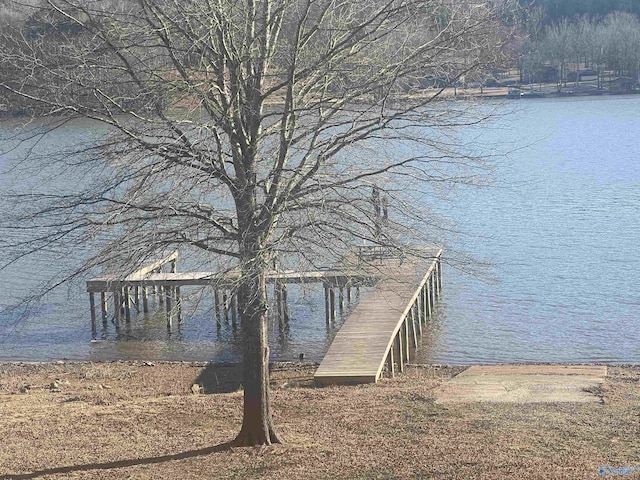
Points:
[[524, 384]]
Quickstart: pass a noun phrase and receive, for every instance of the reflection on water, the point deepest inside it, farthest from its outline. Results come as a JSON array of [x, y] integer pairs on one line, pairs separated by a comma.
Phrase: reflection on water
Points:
[[48, 337]]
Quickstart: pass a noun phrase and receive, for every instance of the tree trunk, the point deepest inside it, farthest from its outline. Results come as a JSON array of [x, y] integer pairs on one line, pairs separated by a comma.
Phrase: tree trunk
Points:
[[257, 424]]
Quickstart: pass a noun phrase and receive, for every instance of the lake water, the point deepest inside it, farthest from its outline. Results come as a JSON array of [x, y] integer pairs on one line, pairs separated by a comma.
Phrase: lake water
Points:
[[561, 229]]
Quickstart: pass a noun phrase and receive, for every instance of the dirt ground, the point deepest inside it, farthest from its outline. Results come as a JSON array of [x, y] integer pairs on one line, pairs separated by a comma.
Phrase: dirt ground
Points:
[[143, 421]]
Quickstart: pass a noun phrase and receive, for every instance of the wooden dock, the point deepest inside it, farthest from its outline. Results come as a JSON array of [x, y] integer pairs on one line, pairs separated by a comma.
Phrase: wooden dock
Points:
[[377, 338], [380, 333], [133, 291]]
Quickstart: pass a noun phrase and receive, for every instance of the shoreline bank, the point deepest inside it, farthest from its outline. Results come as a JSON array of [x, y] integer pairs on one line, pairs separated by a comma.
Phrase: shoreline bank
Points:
[[143, 420]]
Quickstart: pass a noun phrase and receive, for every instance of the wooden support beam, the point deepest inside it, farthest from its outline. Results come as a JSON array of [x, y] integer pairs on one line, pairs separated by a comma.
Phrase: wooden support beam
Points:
[[179, 305], [400, 351], [92, 305], [216, 305], [168, 292], [341, 299], [391, 368], [415, 317], [411, 327], [103, 307], [327, 305], [285, 303], [127, 304], [332, 303], [278, 295], [117, 306], [406, 339], [136, 298], [145, 300]]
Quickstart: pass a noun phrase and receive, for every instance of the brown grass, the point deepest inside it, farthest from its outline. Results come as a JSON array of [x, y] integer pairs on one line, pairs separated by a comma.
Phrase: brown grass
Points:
[[131, 420]]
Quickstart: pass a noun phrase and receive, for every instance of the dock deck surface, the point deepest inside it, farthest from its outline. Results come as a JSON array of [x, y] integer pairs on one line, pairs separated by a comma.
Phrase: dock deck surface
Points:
[[360, 348]]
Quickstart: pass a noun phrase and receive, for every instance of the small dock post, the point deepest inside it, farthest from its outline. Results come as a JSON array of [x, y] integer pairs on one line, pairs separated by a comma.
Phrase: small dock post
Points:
[[278, 298], [391, 368], [216, 306], [406, 339], [92, 304], [167, 291], [117, 304], [285, 304], [327, 305], [332, 304], [179, 305], [417, 326], [104, 308], [400, 351], [127, 304], [145, 300]]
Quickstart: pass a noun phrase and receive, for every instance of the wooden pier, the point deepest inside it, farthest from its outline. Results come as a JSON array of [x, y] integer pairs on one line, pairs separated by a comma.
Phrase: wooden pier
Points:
[[151, 282], [377, 337], [127, 294], [385, 325]]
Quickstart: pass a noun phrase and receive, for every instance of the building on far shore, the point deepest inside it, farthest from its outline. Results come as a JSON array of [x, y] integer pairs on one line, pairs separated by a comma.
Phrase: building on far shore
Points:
[[622, 85]]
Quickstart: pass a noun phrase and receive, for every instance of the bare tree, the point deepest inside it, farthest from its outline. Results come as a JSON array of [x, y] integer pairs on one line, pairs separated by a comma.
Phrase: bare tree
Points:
[[243, 130]]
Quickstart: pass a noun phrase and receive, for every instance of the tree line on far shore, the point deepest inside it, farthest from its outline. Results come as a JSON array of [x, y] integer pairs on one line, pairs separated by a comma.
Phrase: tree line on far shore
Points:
[[555, 10], [578, 48]]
